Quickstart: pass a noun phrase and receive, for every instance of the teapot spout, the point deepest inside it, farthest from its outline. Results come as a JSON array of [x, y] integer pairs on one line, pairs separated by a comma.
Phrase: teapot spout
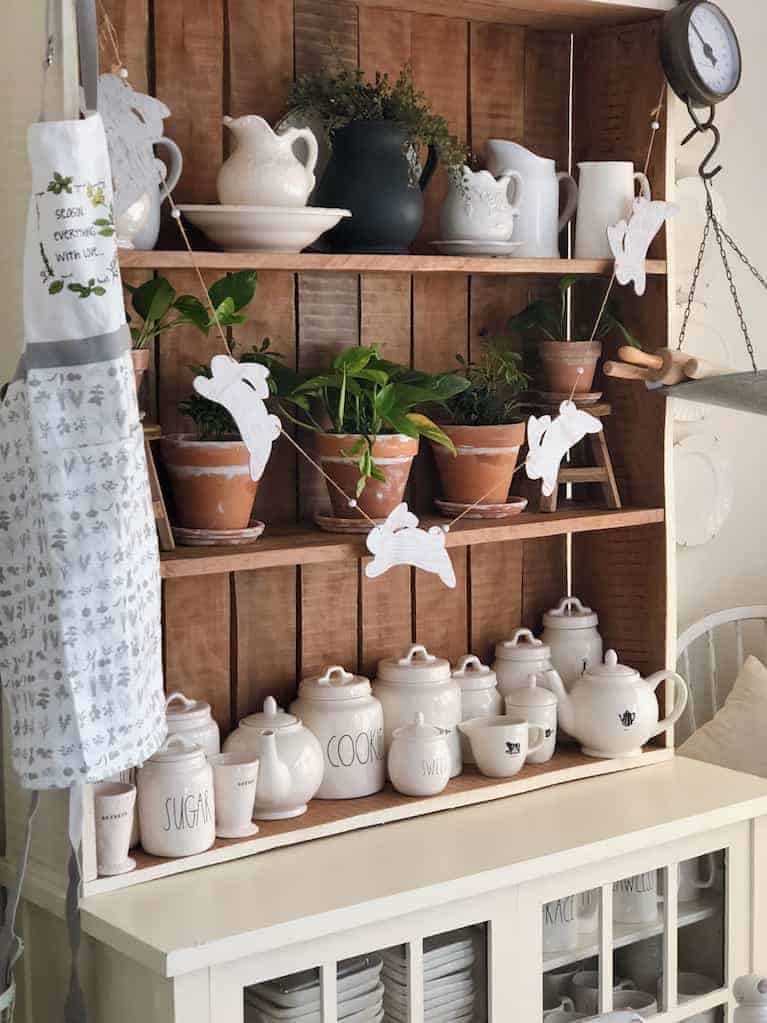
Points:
[[552, 680], [274, 781]]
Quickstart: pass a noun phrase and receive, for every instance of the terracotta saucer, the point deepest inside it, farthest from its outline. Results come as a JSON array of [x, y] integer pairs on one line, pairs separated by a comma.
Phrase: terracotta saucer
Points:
[[555, 398], [483, 511], [218, 537], [334, 524]]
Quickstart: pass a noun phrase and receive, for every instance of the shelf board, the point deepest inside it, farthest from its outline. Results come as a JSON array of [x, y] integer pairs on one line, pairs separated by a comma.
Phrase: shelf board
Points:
[[309, 545], [303, 262], [628, 934], [562, 15], [326, 817]]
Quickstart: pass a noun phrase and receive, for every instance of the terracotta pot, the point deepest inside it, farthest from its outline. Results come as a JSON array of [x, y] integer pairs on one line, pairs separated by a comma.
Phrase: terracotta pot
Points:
[[140, 359], [561, 360], [210, 480], [393, 453], [486, 457]]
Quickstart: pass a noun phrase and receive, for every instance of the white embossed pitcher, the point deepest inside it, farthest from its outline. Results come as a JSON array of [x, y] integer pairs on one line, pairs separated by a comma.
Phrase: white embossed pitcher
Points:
[[264, 170], [606, 196], [480, 208], [540, 222]]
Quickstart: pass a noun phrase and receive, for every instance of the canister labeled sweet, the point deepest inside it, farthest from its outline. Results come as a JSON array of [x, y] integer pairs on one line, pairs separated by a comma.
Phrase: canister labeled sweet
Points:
[[193, 720], [570, 630], [175, 800], [539, 706], [420, 682], [339, 708], [516, 659], [479, 695], [419, 758]]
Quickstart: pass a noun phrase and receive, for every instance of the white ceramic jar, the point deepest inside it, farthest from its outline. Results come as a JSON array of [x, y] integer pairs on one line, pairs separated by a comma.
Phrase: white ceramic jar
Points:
[[539, 707], [518, 658], [339, 708], [479, 695], [290, 761], [419, 758], [175, 800], [570, 630], [193, 720], [420, 682]]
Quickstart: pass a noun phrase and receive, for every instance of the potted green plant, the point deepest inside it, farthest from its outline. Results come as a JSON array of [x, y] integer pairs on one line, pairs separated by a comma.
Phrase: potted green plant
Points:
[[375, 129], [372, 438], [567, 364], [485, 426]]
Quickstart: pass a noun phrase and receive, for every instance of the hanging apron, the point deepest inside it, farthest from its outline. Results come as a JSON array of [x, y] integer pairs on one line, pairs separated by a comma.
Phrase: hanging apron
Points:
[[80, 636]]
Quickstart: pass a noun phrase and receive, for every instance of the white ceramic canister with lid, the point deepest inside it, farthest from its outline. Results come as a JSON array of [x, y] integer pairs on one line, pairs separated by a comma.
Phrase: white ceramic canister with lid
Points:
[[539, 707], [570, 630], [518, 658], [479, 695], [419, 758], [193, 720], [339, 708], [175, 800], [420, 682]]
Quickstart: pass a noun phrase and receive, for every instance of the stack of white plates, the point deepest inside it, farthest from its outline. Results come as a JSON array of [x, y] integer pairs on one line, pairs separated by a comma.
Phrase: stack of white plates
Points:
[[448, 980], [297, 997]]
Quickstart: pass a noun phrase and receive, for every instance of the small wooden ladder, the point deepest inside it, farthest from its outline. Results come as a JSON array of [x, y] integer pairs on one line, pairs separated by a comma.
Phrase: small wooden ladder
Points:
[[599, 471]]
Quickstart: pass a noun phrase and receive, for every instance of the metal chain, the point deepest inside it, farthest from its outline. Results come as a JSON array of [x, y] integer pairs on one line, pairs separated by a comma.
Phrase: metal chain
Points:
[[695, 276]]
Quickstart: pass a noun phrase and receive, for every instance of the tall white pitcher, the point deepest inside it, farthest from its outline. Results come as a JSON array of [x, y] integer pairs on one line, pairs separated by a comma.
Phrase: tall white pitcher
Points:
[[606, 196], [540, 222]]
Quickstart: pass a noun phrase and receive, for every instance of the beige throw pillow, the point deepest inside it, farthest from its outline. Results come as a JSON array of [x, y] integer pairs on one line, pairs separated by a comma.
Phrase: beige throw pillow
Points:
[[736, 737]]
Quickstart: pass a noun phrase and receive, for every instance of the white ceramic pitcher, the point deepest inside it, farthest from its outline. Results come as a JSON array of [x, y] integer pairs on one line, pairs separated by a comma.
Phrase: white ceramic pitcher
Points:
[[540, 222], [606, 195], [264, 170], [480, 208]]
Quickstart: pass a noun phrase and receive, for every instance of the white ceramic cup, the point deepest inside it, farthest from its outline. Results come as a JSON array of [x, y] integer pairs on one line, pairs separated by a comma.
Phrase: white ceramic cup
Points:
[[234, 788], [560, 925], [501, 744], [586, 991], [558, 983], [114, 803], [555, 1005], [606, 196], [637, 1001], [588, 911], [635, 899], [690, 880], [642, 961]]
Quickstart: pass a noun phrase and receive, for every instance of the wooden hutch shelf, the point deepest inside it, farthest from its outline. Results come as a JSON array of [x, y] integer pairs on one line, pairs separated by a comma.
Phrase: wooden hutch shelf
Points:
[[302, 262], [308, 545]]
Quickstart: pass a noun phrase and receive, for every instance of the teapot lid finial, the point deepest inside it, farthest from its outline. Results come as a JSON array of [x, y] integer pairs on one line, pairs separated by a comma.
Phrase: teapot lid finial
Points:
[[611, 658], [612, 668]]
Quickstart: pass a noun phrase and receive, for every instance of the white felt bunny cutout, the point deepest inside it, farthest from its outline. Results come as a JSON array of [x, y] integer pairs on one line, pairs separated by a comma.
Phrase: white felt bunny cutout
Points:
[[241, 388], [399, 541], [549, 440], [630, 240]]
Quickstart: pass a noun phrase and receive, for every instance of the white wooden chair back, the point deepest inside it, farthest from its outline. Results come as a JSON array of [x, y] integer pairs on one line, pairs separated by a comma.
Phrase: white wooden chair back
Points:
[[719, 641]]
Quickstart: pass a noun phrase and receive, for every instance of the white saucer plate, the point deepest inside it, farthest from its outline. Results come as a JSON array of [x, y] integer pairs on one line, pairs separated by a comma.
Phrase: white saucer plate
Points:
[[467, 248]]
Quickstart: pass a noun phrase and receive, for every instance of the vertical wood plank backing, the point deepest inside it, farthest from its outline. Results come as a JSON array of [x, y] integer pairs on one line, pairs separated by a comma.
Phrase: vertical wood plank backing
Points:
[[273, 315], [440, 70], [265, 602], [544, 580], [190, 79], [441, 615], [493, 300], [324, 34], [617, 82], [328, 617], [328, 321], [130, 19], [495, 574], [547, 95], [496, 84], [385, 314], [260, 43], [385, 40], [179, 349], [387, 616], [197, 642], [622, 574]]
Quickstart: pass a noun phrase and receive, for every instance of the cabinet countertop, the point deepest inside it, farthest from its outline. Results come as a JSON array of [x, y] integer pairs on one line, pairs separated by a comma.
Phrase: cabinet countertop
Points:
[[195, 920]]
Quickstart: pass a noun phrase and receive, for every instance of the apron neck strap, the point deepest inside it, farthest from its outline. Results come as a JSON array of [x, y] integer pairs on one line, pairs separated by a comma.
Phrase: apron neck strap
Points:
[[88, 48]]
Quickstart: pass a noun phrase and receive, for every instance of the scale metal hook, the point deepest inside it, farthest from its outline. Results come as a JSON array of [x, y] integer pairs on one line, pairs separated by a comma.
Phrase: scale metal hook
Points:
[[701, 127]]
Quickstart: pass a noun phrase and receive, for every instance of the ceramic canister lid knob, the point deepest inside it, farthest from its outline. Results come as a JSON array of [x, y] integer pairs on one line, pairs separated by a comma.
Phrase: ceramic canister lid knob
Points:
[[472, 675], [417, 665], [178, 750], [419, 731], [179, 708], [570, 613], [335, 683], [523, 646], [531, 695]]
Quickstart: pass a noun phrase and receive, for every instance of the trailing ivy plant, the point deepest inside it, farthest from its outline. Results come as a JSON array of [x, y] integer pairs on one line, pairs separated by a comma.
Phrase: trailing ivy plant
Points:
[[495, 381], [544, 318], [365, 395], [339, 95]]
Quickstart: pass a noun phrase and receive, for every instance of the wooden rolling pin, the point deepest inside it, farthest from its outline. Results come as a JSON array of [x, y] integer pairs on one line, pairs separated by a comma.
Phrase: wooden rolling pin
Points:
[[702, 369], [666, 366], [625, 371]]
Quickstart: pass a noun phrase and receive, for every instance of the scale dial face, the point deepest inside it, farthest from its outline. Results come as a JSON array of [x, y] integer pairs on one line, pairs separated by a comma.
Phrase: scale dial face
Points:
[[700, 52]]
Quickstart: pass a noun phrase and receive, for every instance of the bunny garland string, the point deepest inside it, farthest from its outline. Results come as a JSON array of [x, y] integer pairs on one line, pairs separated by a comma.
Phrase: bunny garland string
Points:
[[399, 541], [549, 440]]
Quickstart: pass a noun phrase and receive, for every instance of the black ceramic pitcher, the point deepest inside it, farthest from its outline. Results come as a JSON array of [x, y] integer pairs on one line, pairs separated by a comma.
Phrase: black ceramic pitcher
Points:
[[370, 175]]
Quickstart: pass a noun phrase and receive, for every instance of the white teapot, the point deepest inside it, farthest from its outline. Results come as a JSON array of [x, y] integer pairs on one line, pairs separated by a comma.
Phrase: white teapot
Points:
[[478, 207], [291, 761], [264, 170], [611, 710]]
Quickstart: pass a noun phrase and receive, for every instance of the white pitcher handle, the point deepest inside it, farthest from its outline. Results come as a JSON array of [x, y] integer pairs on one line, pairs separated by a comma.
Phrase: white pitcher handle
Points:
[[176, 164], [680, 701], [515, 195], [644, 185], [709, 882], [312, 148], [538, 740], [571, 203], [626, 985]]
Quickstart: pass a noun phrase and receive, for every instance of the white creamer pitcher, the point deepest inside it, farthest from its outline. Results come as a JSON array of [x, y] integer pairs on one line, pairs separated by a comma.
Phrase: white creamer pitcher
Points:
[[540, 222], [264, 170], [480, 208]]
